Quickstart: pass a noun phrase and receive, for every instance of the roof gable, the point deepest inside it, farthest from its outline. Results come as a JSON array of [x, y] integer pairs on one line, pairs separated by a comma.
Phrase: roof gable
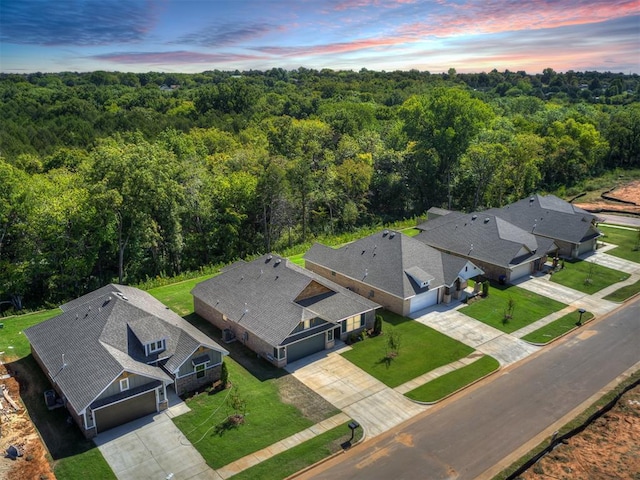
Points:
[[99, 335], [390, 261], [270, 296]]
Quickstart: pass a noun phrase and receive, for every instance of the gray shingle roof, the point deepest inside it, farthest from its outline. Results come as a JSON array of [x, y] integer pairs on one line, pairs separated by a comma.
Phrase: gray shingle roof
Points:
[[388, 261], [483, 237], [261, 296], [97, 334], [551, 217]]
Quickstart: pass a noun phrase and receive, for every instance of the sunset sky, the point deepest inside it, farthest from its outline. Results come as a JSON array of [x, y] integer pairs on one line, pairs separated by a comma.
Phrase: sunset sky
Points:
[[434, 35]]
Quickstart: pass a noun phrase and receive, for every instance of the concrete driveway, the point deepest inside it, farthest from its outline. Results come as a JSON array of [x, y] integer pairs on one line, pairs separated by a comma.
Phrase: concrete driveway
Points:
[[376, 407], [507, 349], [152, 447]]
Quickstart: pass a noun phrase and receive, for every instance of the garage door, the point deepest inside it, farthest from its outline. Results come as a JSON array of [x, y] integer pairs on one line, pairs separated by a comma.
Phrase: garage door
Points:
[[424, 300], [305, 347], [125, 411], [520, 271]]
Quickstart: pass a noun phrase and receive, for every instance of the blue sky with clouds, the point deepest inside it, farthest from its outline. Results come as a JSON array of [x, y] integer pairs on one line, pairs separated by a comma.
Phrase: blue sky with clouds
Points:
[[433, 35]]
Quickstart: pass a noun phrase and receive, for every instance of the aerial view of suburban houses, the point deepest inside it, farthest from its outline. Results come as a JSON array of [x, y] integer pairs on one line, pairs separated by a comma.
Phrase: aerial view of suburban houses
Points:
[[113, 352], [394, 270], [117, 356], [279, 310]]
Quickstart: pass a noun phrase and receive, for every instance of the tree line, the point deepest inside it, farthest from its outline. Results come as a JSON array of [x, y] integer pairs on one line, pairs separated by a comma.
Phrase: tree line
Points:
[[121, 177]]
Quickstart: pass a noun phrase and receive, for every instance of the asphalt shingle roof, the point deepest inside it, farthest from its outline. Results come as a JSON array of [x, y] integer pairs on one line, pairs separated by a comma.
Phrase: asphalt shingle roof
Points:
[[97, 334], [484, 237], [388, 260], [263, 297], [549, 216]]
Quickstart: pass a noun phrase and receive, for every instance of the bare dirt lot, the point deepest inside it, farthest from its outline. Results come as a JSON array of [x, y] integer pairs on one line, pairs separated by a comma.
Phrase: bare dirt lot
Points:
[[607, 449], [629, 194], [17, 429]]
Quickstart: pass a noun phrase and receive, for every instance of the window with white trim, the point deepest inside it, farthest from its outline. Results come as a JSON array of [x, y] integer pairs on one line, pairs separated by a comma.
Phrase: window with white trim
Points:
[[329, 335], [352, 323], [154, 347], [124, 384], [199, 369]]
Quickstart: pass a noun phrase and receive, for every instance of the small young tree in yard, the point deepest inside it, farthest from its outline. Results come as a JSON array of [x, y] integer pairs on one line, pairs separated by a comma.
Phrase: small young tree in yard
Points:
[[589, 279], [239, 407], [393, 344], [508, 313], [485, 288]]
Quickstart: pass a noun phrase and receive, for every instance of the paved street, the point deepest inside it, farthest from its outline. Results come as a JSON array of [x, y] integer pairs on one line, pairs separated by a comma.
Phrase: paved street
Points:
[[475, 434]]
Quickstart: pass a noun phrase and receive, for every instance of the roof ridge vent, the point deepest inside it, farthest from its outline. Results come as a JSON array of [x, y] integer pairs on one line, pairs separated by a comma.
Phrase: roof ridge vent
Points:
[[385, 232], [392, 234], [486, 220], [474, 216]]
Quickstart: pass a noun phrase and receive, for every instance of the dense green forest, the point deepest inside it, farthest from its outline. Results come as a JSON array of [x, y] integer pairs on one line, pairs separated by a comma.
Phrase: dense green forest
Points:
[[118, 176]]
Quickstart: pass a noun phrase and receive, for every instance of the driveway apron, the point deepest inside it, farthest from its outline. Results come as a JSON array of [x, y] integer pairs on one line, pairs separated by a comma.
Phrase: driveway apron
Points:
[[376, 407], [152, 447]]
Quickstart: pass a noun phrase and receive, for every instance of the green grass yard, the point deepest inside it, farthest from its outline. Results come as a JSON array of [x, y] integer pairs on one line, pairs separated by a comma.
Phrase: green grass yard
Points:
[[453, 381], [422, 349], [529, 307], [291, 461], [557, 328], [587, 277], [624, 293], [627, 241]]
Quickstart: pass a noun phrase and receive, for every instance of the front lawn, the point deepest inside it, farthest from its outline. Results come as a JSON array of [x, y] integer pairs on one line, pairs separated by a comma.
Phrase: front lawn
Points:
[[624, 293], [587, 277], [528, 307], [301, 456], [422, 349], [267, 419], [557, 328], [449, 383], [627, 242]]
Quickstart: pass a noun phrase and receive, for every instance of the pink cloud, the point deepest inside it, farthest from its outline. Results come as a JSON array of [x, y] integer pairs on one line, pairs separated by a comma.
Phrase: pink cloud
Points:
[[494, 16]]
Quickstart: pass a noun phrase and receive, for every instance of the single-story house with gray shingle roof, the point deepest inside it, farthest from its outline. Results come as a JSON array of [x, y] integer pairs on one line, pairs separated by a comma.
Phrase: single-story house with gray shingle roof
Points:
[[503, 250], [280, 310], [400, 273], [572, 229], [112, 353]]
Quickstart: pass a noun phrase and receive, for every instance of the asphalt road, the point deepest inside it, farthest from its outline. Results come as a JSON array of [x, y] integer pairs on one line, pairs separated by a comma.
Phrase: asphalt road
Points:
[[629, 221], [469, 436]]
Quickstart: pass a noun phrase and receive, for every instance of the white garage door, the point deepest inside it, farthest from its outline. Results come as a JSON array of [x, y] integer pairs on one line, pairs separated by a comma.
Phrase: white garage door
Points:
[[520, 271], [424, 300]]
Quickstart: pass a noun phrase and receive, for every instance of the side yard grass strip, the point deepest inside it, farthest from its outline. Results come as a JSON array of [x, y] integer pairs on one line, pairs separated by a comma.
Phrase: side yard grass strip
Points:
[[624, 293], [557, 328], [299, 457], [421, 350], [528, 307], [627, 241], [451, 382], [587, 277]]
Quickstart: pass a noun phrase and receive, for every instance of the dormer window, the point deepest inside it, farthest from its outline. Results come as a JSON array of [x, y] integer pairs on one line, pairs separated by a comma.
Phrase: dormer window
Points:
[[155, 347]]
